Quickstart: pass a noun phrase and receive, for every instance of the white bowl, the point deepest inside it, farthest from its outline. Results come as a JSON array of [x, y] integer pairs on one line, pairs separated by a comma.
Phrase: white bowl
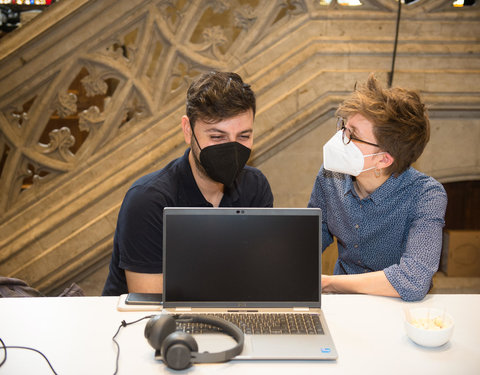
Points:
[[429, 327]]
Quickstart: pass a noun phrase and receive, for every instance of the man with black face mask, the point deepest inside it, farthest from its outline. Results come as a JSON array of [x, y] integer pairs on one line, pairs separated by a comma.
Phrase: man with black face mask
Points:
[[218, 126]]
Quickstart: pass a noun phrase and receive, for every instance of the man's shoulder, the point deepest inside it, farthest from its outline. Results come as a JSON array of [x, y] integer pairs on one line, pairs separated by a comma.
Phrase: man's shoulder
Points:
[[158, 186], [252, 171], [252, 189], [161, 177], [253, 176]]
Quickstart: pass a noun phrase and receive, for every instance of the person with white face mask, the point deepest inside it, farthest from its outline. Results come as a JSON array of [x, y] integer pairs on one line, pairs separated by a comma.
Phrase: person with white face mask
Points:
[[342, 155], [387, 217]]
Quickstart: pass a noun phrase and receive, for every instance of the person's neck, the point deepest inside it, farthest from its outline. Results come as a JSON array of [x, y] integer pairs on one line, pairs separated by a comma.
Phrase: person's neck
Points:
[[365, 184], [211, 190]]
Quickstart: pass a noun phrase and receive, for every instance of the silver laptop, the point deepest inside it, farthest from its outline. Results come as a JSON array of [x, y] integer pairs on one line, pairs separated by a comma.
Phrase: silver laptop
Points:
[[250, 262]]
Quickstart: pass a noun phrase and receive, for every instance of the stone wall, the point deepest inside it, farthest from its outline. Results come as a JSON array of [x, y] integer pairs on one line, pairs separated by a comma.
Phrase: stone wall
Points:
[[91, 95]]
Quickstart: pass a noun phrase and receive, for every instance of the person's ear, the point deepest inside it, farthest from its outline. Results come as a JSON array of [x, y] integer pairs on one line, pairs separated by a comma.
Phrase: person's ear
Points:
[[187, 130], [386, 161]]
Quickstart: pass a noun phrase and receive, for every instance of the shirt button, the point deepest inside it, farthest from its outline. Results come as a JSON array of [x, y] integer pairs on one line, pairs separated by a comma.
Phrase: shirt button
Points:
[[355, 246], [357, 226]]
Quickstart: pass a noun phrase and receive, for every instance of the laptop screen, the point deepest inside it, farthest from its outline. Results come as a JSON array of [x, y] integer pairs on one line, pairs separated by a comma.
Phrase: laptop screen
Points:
[[247, 256]]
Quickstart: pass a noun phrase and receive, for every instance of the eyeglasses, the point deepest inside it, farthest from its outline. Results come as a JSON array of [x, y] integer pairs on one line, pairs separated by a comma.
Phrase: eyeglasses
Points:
[[347, 134]]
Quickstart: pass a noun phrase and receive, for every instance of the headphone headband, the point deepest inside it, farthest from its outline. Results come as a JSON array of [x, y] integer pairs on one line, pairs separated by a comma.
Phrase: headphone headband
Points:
[[179, 349], [227, 327]]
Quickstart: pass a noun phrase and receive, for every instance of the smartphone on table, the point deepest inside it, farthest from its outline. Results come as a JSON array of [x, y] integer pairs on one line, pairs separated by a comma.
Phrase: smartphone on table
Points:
[[144, 299]]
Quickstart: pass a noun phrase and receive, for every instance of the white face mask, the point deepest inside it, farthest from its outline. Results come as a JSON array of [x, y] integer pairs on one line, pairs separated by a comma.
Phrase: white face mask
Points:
[[342, 158]]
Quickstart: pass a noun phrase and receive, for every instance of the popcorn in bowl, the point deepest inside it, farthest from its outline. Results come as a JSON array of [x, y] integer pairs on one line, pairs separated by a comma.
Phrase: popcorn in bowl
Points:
[[428, 327], [430, 323]]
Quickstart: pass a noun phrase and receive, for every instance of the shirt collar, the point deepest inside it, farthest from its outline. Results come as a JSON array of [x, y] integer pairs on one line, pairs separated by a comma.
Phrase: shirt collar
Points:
[[232, 194], [348, 186], [191, 194], [384, 191]]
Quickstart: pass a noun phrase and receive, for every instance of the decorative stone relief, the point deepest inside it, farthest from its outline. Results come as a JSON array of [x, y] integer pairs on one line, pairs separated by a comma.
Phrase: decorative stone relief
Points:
[[213, 37], [245, 17], [291, 8], [60, 140], [172, 12], [19, 116], [123, 48], [134, 111], [78, 124], [94, 85], [214, 28], [181, 76], [66, 104], [31, 175], [90, 119]]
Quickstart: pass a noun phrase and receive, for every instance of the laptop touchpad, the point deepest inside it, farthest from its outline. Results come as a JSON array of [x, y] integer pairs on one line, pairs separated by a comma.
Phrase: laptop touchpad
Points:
[[285, 347]]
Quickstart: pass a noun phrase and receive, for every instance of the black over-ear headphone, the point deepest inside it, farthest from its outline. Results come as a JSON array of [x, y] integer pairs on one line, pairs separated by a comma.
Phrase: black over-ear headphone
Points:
[[179, 349]]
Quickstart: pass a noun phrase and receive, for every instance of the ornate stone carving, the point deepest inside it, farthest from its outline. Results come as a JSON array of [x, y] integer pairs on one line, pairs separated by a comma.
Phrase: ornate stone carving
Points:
[[18, 115], [294, 7], [213, 38], [90, 119], [123, 48], [172, 12], [94, 85], [18, 118], [118, 91], [31, 175], [134, 111], [66, 104], [182, 74], [60, 140], [245, 17]]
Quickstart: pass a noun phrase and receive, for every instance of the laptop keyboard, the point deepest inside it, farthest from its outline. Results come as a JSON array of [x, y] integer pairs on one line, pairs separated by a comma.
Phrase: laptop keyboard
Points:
[[262, 323]]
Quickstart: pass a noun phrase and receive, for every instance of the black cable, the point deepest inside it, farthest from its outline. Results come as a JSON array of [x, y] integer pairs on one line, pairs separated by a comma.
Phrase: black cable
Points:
[[390, 76], [5, 350], [124, 324], [5, 347]]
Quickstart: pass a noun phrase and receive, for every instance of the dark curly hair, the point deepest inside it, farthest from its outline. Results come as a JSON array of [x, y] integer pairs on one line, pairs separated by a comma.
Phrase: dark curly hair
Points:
[[216, 96]]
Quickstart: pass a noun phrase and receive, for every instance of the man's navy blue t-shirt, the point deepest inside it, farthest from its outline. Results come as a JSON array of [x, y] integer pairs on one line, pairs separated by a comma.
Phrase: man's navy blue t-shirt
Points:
[[138, 240]]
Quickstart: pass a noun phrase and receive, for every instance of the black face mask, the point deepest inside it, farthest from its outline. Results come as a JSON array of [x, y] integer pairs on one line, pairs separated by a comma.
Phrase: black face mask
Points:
[[223, 162]]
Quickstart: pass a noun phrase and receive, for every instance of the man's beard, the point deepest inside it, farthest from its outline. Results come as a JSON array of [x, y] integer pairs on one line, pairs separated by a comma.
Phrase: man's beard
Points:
[[195, 150]]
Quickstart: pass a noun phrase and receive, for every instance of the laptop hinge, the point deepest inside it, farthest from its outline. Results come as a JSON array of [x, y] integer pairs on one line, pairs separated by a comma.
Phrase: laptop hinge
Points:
[[183, 309], [301, 309]]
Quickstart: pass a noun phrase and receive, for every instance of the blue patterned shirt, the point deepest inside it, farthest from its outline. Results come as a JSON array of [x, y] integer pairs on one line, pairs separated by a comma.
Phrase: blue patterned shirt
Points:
[[397, 228]]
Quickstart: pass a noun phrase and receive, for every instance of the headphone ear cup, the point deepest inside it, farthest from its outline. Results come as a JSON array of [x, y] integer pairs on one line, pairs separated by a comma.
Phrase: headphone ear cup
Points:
[[158, 328], [177, 350]]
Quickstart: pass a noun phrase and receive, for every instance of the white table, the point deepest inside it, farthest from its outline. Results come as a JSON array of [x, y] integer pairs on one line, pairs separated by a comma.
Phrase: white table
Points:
[[76, 335]]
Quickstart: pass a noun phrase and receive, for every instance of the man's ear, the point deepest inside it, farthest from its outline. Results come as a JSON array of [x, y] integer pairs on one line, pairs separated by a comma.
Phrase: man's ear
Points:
[[187, 130], [386, 161]]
